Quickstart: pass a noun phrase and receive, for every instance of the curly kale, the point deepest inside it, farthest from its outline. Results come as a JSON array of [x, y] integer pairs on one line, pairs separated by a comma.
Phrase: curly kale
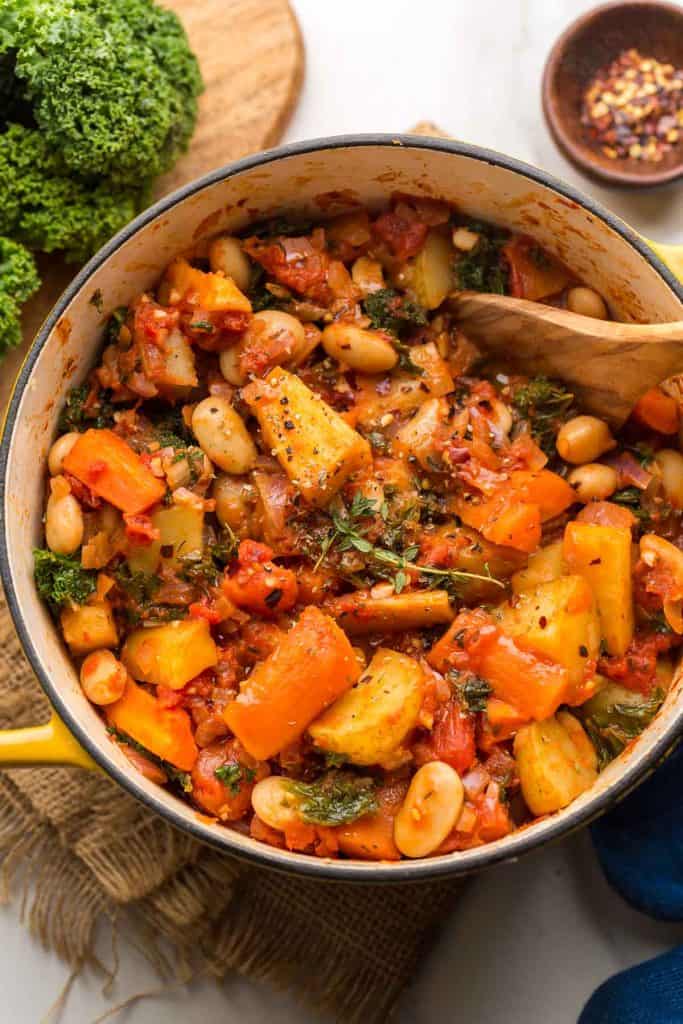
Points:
[[545, 404], [61, 579], [391, 312], [481, 269], [335, 799], [78, 415], [112, 87], [18, 281]]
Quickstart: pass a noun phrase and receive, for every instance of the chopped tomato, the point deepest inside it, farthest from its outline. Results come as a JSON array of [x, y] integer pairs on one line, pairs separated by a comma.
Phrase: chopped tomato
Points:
[[402, 232], [452, 738], [258, 583], [657, 411], [294, 263], [637, 669]]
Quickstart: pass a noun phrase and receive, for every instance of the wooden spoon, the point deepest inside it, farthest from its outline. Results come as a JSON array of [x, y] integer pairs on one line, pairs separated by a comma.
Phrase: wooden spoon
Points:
[[608, 365]]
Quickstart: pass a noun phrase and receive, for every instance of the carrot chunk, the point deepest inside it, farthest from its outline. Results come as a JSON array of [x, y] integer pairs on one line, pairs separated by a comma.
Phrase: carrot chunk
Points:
[[312, 665], [657, 411], [103, 461]]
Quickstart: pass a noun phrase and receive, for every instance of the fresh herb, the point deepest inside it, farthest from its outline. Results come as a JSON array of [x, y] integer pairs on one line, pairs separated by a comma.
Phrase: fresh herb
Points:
[[379, 442], [114, 325], [334, 760], [631, 498], [232, 774], [481, 269], [205, 326], [76, 417], [612, 726], [182, 779], [224, 548], [405, 360], [472, 690], [61, 579], [335, 799], [201, 570], [264, 299], [138, 586], [348, 533], [97, 300], [389, 311], [170, 430], [544, 404], [643, 452], [282, 226]]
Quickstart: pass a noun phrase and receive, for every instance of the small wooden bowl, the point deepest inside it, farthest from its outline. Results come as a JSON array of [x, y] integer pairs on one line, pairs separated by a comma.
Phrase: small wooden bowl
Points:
[[590, 43]]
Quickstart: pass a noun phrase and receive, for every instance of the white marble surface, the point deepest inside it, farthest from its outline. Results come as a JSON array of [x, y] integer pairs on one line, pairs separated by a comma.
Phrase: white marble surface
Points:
[[528, 942]]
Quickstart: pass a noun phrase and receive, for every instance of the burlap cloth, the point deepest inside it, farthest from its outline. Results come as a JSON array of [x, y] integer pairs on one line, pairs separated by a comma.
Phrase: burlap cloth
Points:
[[82, 851]]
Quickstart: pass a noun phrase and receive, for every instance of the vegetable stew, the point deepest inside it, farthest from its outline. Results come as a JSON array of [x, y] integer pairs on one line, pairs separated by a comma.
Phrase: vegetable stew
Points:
[[337, 580]]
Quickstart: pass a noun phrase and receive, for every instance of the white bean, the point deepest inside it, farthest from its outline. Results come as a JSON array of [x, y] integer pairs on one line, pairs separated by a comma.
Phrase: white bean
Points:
[[361, 349], [670, 464], [63, 521], [59, 451], [587, 302], [223, 436], [431, 808], [584, 439], [464, 239], [275, 803], [226, 254], [234, 499], [593, 481], [103, 677], [229, 362]]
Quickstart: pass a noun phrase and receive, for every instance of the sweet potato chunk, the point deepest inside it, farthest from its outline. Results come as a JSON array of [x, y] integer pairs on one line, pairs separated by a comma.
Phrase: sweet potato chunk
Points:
[[215, 293], [166, 732], [103, 461], [312, 665]]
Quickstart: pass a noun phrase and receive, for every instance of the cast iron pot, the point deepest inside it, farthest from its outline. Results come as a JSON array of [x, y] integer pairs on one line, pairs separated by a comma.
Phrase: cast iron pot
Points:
[[320, 177]]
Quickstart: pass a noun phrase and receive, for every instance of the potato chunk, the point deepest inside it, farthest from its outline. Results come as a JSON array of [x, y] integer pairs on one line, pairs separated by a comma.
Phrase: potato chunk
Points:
[[556, 762], [181, 528], [371, 720], [544, 565], [170, 655], [215, 292], [602, 555], [89, 626], [558, 619], [316, 448]]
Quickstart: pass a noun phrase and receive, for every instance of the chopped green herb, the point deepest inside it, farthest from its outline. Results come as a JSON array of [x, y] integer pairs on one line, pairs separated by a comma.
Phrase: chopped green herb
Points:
[[75, 417], [182, 779], [472, 690], [481, 268], [545, 405], [335, 799], [232, 774], [96, 300], [391, 312], [61, 579], [612, 723]]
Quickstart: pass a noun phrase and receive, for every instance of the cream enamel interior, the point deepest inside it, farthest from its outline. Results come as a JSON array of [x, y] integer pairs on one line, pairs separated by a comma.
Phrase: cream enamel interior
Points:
[[322, 182]]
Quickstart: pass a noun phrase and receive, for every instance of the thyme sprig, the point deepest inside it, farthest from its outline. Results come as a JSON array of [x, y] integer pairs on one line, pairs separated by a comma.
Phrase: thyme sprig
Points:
[[348, 532]]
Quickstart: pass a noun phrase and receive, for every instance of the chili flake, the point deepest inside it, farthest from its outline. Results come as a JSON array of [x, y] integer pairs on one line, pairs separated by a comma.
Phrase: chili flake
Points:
[[634, 108]]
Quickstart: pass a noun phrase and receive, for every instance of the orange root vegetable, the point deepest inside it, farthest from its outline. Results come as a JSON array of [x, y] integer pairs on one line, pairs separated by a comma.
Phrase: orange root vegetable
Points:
[[503, 719], [512, 517], [103, 461], [170, 655], [602, 555], [657, 411], [534, 685], [214, 293], [312, 665], [165, 732], [372, 836]]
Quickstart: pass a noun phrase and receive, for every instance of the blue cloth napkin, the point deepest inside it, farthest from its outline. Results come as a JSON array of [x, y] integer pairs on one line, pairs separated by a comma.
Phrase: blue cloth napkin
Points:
[[640, 847]]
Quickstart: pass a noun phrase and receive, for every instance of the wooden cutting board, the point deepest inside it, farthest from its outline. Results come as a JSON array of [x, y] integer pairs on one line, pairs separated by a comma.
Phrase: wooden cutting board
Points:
[[252, 59]]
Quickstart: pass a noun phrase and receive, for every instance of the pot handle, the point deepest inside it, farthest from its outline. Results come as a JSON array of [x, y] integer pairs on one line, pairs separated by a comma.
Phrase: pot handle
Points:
[[672, 255], [51, 743]]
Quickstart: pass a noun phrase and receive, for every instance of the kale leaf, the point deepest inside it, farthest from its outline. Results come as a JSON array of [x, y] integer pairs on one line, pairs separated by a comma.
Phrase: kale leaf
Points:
[[335, 799], [545, 404], [61, 579]]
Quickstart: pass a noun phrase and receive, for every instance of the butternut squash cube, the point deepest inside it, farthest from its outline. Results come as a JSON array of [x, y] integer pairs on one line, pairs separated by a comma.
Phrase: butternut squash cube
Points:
[[170, 655], [216, 292], [87, 627], [602, 555], [316, 448], [406, 391]]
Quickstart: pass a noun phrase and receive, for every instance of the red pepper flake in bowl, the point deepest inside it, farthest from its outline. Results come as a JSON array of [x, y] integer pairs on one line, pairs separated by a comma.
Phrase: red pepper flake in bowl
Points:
[[634, 108]]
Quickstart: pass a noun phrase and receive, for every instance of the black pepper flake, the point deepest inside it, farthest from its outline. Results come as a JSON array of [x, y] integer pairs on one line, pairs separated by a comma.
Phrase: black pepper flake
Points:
[[288, 425], [595, 561], [166, 550], [583, 651], [273, 598]]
